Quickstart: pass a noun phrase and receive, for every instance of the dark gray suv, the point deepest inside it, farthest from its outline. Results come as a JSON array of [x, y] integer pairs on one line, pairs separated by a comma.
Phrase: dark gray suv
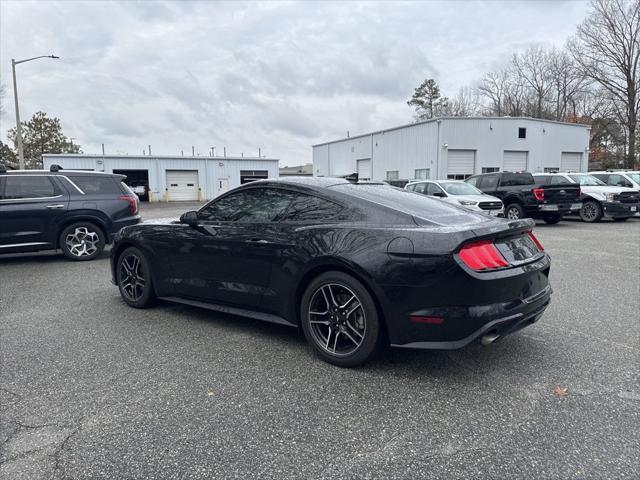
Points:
[[75, 211]]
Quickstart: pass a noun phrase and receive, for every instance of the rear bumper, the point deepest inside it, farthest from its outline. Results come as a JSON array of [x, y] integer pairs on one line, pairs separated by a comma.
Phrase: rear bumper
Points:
[[617, 209], [499, 325], [555, 209], [466, 305]]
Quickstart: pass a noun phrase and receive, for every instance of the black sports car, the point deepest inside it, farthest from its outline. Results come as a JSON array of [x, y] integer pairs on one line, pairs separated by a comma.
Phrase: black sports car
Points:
[[354, 264]]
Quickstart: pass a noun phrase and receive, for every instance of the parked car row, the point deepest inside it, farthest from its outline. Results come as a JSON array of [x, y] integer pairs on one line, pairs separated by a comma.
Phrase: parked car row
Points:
[[547, 196]]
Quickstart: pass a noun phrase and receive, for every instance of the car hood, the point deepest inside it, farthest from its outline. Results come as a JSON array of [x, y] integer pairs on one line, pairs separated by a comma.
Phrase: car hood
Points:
[[161, 221]]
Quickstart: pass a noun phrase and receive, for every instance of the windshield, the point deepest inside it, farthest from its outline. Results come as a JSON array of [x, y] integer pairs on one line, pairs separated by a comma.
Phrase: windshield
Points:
[[459, 188], [586, 180], [635, 176]]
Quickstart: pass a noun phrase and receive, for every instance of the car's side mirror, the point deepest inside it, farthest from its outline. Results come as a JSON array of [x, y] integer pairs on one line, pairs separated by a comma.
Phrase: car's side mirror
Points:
[[189, 218], [438, 194]]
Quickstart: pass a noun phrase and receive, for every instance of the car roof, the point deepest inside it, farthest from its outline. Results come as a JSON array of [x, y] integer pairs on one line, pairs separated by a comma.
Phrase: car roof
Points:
[[60, 172]]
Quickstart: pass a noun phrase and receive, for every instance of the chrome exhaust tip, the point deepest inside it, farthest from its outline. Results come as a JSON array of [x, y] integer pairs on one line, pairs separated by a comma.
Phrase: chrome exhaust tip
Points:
[[489, 338]]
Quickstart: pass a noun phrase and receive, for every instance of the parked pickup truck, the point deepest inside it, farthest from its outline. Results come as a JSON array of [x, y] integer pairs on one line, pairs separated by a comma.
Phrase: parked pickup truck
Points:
[[524, 197], [598, 199]]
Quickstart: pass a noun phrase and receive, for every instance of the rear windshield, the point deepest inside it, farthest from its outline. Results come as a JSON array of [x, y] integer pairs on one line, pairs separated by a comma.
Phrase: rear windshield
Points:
[[511, 179], [95, 184], [421, 206]]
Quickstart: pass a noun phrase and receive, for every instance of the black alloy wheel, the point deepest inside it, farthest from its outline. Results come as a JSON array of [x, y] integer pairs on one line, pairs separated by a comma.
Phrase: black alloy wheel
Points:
[[340, 319], [134, 278]]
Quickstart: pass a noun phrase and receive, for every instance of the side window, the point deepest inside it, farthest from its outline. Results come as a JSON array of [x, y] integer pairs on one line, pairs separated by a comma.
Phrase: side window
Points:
[[432, 189], [27, 186], [95, 184], [255, 205], [307, 207], [411, 187], [618, 181], [489, 182], [420, 188]]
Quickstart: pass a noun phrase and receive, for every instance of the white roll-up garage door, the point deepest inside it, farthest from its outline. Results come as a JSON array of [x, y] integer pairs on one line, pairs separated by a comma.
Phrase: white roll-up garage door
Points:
[[364, 169], [461, 162], [514, 161], [182, 185], [571, 162]]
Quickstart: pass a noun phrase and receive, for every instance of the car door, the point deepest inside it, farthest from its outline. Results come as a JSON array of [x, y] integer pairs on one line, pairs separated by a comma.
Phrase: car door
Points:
[[31, 207], [226, 259], [489, 185]]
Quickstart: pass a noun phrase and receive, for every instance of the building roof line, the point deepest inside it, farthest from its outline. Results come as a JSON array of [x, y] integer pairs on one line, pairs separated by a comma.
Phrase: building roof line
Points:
[[439, 119], [153, 157]]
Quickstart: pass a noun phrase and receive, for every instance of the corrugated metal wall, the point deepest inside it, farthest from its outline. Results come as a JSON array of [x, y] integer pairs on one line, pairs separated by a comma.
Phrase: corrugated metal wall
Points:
[[210, 169], [425, 145]]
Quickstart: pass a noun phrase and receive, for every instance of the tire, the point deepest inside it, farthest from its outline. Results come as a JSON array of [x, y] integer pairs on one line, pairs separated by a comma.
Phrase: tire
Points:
[[82, 241], [591, 211], [620, 219], [513, 211], [133, 277], [551, 219], [355, 320]]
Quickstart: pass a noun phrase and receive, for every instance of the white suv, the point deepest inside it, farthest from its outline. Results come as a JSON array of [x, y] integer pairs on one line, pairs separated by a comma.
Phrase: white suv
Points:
[[601, 200], [459, 193]]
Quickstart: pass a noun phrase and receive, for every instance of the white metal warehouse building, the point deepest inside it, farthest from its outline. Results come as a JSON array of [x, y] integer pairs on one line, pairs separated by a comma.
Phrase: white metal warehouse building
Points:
[[176, 178], [456, 148]]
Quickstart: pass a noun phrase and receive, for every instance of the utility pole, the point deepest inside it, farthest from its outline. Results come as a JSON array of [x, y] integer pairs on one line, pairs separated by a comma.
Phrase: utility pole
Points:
[[15, 98]]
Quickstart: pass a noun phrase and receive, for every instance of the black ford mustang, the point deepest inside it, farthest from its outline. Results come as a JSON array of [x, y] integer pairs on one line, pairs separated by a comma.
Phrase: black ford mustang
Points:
[[353, 264]]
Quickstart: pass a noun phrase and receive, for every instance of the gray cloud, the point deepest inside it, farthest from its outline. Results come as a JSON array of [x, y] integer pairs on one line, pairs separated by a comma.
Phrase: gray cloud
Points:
[[279, 76]]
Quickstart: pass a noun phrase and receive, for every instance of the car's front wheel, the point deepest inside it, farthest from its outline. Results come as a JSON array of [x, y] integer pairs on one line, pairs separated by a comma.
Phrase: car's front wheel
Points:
[[340, 319], [82, 241], [133, 275], [591, 212]]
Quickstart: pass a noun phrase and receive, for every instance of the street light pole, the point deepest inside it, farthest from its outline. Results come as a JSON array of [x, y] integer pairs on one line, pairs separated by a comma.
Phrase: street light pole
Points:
[[15, 98]]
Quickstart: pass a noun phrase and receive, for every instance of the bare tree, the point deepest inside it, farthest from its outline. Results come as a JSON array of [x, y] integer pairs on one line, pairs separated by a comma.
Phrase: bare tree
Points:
[[493, 87], [568, 82], [465, 104], [607, 48], [534, 69]]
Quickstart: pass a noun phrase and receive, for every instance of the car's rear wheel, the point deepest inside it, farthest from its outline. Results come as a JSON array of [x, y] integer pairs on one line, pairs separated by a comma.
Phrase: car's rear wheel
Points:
[[591, 211], [514, 211], [340, 319], [82, 241], [551, 219], [133, 276]]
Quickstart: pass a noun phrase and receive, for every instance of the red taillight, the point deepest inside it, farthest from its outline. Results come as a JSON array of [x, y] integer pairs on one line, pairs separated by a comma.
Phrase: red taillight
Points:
[[133, 203], [536, 241], [426, 319], [539, 194], [482, 256]]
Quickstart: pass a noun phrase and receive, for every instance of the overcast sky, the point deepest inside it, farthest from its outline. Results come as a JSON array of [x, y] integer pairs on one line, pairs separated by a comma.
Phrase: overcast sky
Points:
[[276, 75]]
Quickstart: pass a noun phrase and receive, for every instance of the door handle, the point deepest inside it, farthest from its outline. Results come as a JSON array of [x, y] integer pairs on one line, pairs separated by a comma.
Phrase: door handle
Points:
[[259, 241], [58, 205]]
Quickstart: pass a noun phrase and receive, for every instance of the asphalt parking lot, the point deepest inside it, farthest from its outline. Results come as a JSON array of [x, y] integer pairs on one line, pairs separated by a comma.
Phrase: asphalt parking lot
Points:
[[90, 388]]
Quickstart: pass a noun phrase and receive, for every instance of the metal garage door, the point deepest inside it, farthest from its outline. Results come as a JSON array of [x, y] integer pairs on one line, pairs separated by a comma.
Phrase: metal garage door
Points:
[[460, 163], [514, 161], [570, 162], [364, 169], [182, 185]]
